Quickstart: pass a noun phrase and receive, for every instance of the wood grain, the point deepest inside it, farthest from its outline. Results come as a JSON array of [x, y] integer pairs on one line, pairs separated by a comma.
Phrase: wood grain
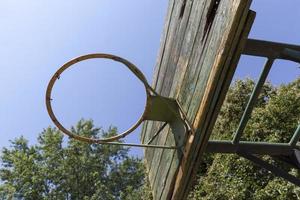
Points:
[[195, 64]]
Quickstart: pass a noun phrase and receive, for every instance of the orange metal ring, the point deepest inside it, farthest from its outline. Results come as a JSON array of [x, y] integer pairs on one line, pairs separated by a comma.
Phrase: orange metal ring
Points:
[[57, 74]]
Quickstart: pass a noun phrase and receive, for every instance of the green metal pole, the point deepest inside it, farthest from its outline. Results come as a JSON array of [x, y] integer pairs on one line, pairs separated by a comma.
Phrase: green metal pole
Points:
[[295, 137], [275, 170], [261, 148], [274, 50], [252, 101]]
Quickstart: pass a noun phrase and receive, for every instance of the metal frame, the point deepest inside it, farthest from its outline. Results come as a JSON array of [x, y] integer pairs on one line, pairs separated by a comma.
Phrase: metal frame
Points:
[[288, 152], [158, 108]]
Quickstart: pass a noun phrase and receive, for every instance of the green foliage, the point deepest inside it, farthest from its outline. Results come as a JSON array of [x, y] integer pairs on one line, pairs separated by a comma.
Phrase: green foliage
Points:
[[58, 169], [274, 119], [141, 193]]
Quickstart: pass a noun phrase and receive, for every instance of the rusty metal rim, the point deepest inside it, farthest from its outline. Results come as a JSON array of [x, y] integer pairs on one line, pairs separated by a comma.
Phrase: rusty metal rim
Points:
[[67, 65]]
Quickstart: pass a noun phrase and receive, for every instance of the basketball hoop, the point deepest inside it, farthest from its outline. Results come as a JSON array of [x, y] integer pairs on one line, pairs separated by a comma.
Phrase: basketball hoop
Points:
[[157, 108]]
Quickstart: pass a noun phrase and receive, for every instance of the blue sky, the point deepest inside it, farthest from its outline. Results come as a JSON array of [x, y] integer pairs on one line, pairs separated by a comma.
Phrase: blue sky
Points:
[[39, 36]]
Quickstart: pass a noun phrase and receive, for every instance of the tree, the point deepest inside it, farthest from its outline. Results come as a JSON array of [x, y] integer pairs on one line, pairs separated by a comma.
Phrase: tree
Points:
[[59, 169], [274, 119]]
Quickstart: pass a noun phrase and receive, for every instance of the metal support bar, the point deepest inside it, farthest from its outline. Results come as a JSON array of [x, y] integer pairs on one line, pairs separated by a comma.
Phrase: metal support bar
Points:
[[293, 159], [272, 50], [156, 134], [262, 148], [252, 100], [295, 137], [139, 145], [275, 170], [290, 54]]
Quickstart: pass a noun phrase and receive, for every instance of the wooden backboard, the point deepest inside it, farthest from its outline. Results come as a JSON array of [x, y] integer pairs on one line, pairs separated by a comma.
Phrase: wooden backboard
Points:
[[200, 47]]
